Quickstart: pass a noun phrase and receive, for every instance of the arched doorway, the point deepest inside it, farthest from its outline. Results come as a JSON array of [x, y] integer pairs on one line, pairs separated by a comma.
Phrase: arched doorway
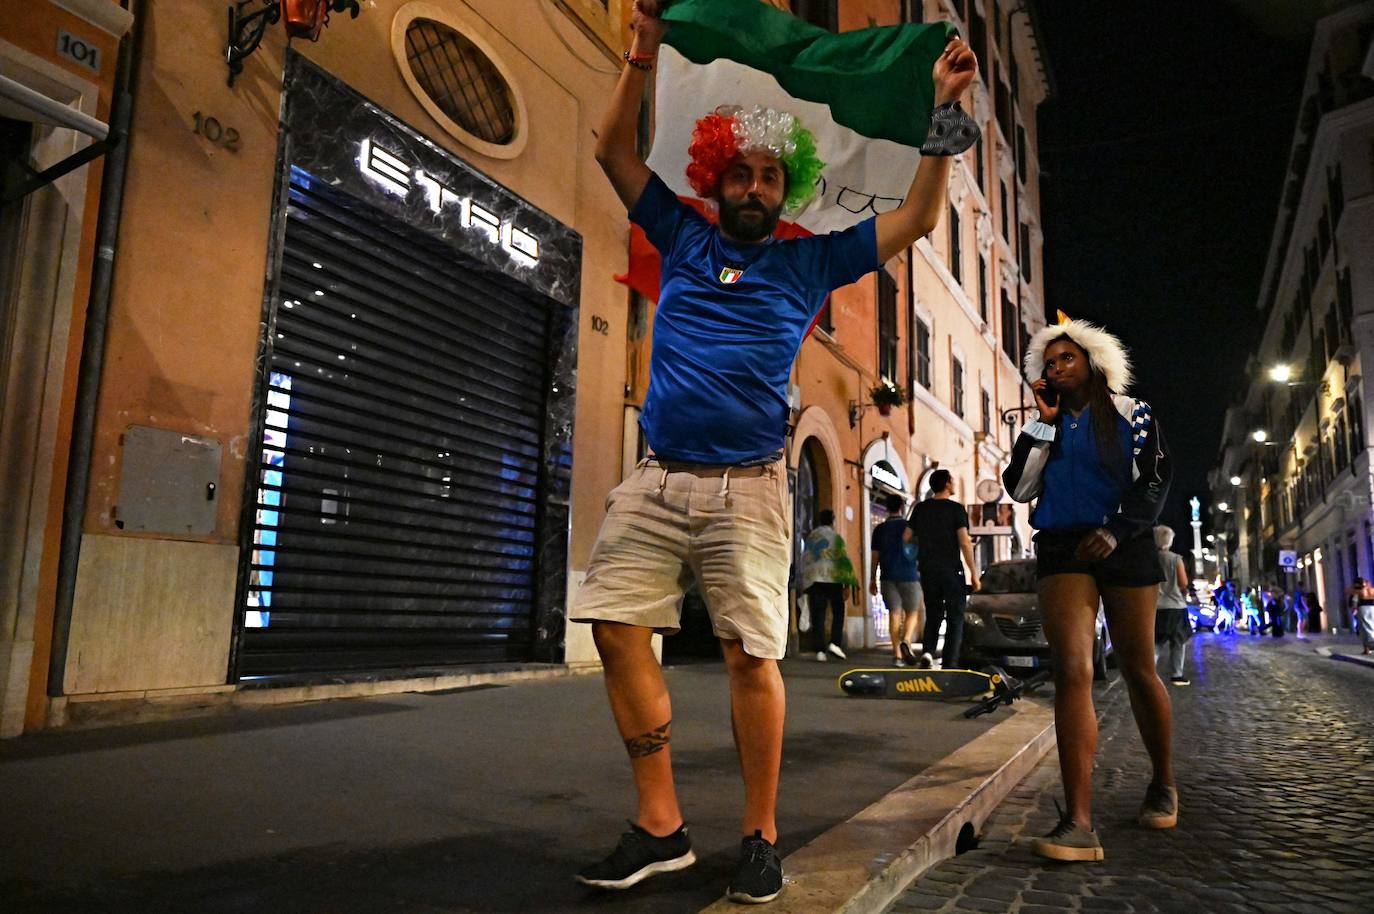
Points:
[[884, 474]]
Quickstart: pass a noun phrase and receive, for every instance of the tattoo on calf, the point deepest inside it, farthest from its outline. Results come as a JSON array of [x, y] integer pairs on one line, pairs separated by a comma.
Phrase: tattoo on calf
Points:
[[644, 744]]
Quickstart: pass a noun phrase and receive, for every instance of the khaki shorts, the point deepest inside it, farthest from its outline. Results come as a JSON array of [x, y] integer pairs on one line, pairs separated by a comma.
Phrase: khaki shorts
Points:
[[666, 527]]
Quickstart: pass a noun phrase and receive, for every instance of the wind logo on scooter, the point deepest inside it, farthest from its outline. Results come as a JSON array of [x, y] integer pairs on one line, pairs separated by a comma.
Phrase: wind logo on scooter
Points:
[[918, 685]]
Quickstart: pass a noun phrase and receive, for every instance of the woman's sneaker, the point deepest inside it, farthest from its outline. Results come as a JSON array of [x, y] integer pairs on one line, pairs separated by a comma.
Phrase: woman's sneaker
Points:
[[638, 856], [1160, 809], [907, 653], [758, 878], [1068, 841]]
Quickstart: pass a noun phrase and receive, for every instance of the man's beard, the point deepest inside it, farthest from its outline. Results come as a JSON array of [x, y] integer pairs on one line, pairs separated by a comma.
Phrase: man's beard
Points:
[[752, 229]]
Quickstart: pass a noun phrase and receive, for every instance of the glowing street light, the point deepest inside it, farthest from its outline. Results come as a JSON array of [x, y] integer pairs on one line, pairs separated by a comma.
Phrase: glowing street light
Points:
[[1260, 435], [1236, 480], [1223, 506], [1281, 373]]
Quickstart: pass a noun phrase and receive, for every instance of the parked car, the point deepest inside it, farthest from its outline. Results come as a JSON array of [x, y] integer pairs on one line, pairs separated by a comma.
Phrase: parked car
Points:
[[1002, 623]]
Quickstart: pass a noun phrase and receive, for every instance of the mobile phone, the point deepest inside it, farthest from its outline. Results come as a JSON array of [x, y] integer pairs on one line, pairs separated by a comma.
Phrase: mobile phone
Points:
[[1049, 394]]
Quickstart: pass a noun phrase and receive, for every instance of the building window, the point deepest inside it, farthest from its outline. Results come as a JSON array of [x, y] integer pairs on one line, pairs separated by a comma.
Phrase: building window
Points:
[[1011, 67], [923, 353], [956, 254], [1336, 193], [1009, 323], [1021, 153], [1006, 212], [822, 13], [462, 81], [956, 386], [987, 413], [887, 326], [978, 36], [983, 287], [1025, 252]]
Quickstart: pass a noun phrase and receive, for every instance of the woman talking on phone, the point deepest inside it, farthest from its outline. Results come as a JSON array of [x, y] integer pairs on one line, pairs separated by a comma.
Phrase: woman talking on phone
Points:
[[1096, 461]]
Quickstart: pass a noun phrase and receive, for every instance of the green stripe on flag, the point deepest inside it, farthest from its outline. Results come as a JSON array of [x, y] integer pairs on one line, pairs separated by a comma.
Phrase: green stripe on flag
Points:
[[876, 81]]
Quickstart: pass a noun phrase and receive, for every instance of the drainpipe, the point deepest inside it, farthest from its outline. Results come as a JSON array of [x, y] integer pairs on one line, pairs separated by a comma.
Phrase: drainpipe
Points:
[[93, 348]]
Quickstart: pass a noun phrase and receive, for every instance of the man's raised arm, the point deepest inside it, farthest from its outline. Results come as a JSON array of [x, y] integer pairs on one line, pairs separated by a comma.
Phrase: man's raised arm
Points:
[[920, 211], [615, 142]]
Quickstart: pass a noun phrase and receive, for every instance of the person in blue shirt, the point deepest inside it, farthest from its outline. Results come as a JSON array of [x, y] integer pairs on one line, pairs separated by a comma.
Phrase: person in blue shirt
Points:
[[895, 556], [712, 503], [1096, 462]]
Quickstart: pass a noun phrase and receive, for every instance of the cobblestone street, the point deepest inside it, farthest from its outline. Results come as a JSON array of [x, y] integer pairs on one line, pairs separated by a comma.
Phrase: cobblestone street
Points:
[[1275, 766]]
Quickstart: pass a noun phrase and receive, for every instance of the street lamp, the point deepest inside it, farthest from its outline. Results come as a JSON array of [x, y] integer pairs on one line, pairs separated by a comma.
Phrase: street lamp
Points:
[[1260, 435], [1281, 373], [1223, 506], [1236, 480]]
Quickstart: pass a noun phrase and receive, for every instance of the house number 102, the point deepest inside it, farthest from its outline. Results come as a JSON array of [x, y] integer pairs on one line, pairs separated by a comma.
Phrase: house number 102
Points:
[[212, 130]]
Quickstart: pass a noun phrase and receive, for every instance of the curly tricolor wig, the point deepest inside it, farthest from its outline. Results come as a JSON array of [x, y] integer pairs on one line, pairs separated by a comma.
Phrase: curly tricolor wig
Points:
[[731, 131]]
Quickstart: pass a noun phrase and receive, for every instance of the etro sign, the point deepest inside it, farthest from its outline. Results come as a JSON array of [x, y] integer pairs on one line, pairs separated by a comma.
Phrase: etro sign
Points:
[[398, 176], [340, 139]]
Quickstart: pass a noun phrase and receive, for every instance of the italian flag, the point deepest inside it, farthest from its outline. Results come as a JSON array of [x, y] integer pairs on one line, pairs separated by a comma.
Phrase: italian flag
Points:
[[866, 95]]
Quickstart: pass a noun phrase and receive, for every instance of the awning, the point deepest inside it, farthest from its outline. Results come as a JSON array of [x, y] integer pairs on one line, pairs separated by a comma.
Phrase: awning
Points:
[[24, 103]]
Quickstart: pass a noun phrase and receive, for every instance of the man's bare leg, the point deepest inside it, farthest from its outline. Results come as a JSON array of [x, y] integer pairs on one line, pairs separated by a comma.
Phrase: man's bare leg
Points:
[[897, 624], [643, 713], [758, 704]]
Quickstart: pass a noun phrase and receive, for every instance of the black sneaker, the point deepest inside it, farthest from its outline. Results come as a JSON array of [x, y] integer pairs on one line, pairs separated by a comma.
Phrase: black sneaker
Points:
[[758, 878], [638, 856], [907, 653]]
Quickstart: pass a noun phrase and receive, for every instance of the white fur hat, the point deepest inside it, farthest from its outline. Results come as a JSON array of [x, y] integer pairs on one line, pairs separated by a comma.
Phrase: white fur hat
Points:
[[1104, 350]]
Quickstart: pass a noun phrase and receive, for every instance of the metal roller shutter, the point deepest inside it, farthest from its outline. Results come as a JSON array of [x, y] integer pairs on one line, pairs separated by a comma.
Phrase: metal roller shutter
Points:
[[398, 487]]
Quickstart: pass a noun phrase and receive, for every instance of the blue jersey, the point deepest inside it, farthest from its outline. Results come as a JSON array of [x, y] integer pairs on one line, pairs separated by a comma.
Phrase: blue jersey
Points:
[[729, 323], [1080, 490]]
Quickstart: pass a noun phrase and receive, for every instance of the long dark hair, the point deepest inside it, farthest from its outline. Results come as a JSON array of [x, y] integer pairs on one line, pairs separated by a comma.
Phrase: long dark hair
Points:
[[1103, 413]]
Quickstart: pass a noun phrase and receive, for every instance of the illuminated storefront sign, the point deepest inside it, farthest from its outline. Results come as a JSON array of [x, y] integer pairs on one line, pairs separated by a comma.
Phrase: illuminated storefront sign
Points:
[[882, 472], [398, 177]]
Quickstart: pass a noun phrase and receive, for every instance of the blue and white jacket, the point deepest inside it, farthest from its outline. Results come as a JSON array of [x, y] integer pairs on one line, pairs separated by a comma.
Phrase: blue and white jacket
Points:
[[1139, 502]]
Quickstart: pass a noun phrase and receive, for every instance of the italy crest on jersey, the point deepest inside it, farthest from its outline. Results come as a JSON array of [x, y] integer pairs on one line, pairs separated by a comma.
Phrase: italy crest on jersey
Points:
[[730, 275]]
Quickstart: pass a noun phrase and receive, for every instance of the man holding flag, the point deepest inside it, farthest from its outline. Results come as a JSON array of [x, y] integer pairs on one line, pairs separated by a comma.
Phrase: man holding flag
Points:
[[712, 503]]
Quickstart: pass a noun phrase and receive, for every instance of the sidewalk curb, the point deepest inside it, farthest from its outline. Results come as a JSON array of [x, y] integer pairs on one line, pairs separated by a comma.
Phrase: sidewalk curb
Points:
[[1358, 659], [854, 869], [69, 713]]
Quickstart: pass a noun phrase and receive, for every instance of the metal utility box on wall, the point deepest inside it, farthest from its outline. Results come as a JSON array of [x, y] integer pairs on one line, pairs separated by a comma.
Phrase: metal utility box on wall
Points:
[[168, 482]]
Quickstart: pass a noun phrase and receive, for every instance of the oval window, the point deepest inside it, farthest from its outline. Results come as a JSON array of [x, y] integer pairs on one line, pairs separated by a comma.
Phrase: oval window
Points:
[[460, 84]]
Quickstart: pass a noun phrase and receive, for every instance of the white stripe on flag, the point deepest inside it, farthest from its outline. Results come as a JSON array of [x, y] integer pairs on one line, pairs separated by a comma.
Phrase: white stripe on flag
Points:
[[862, 176]]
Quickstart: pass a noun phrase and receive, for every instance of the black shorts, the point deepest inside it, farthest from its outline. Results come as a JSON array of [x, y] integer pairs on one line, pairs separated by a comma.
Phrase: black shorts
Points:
[[1134, 562]]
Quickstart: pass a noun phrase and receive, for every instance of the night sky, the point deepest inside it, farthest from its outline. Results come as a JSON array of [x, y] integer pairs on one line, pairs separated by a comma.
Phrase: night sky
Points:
[[1163, 155]]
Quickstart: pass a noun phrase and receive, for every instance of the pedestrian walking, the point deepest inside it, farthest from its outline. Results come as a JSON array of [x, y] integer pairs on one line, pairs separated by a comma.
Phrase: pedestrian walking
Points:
[[1363, 594], [896, 558], [1300, 612], [1271, 599], [1172, 628], [1249, 607], [939, 528], [1097, 463], [827, 576], [712, 503]]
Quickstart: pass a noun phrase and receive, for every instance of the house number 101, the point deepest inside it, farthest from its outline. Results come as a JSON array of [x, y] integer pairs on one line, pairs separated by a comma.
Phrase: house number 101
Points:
[[212, 130]]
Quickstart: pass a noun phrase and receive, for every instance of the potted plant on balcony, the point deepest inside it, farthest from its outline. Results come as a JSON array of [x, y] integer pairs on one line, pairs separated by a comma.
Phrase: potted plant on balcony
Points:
[[885, 396]]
